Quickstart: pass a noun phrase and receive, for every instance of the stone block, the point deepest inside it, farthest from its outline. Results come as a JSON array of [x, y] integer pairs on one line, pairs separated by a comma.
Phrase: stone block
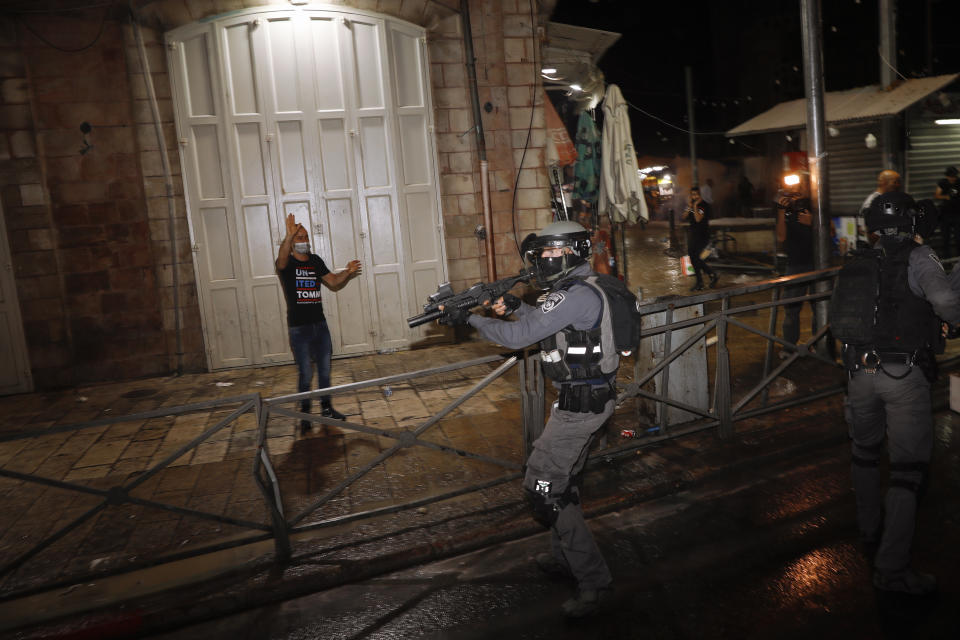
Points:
[[4, 147], [40, 239], [161, 85], [33, 263], [37, 288], [81, 283], [22, 145], [469, 203], [32, 195], [467, 270], [521, 96], [452, 248], [78, 193], [460, 162], [124, 190], [450, 205], [14, 91], [516, 49], [532, 158], [454, 75], [12, 64], [453, 142], [451, 98], [460, 120], [517, 25], [520, 118], [457, 183], [143, 113], [15, 116], [461, 226], [520, 73], [470, 247], [532, 198], [447, 51], [59, 142]]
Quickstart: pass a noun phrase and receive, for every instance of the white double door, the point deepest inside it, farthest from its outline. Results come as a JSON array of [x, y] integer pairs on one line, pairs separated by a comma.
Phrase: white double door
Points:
[[326, 115]]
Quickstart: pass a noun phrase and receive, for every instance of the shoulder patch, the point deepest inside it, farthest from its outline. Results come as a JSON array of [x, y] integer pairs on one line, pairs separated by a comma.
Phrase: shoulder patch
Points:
[[552, 301], [936, 258]]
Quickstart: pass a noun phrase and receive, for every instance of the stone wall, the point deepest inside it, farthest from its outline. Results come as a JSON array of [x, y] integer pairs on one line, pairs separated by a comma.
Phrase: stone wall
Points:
[[87, 213], [74, 202], [510, 93]]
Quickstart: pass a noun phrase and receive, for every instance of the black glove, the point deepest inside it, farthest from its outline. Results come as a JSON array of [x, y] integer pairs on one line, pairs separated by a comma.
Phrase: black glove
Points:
[[511, 302], [452, 316]]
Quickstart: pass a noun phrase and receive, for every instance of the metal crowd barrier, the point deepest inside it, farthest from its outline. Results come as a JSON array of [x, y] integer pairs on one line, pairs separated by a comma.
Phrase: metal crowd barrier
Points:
[[722, 310]]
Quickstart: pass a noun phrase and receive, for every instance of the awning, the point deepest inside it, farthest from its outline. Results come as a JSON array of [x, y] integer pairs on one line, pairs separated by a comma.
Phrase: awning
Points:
[[852, 105]]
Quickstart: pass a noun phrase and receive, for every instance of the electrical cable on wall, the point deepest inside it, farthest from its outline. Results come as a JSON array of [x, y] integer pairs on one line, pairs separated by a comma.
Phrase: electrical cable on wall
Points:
[[526, 144], [96, 38]]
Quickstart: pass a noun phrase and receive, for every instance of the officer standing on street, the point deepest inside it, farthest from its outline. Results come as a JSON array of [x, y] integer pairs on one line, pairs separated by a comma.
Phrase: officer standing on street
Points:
[[889, 387], [574, 327], [947, 195]]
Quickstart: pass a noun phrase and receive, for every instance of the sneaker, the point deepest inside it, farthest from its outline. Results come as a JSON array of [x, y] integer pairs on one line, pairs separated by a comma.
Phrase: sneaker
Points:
[[906, 581], [305, 427], [585, 603], [697, 287], [552, 566], [713, 280], [330, 412]]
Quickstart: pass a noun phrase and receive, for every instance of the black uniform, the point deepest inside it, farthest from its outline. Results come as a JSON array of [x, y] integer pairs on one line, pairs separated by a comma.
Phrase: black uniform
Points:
[[949, 215], [698, 237], [571, 325], [894, 398], [799, 247]]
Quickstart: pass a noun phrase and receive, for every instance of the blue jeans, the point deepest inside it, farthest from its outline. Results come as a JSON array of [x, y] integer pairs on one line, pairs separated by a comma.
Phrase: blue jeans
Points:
[[311, 344]]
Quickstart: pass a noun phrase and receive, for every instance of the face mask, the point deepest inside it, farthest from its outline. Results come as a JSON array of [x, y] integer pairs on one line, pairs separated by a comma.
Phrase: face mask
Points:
[[301, 247]]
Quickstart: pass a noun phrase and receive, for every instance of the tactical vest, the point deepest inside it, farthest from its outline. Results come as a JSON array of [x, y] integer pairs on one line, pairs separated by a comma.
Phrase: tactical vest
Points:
[[588, 355], [872, 306], [905, 321]]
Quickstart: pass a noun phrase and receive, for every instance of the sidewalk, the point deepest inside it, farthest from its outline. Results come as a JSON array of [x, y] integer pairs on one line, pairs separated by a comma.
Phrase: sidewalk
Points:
[[216, 477]]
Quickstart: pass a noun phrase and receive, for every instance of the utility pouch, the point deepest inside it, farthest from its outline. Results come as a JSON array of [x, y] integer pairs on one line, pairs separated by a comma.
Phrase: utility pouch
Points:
[[582, 398]]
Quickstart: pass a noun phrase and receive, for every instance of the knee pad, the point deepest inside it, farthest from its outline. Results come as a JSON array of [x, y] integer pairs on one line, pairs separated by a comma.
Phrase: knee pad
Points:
[[904, 474]]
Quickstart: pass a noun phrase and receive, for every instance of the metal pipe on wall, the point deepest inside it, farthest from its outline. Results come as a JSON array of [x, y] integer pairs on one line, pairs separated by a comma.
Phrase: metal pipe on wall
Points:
[[481, 142], [167, 183]]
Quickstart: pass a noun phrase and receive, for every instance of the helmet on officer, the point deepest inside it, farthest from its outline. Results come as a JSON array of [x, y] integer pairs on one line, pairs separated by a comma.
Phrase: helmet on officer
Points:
[[896, 214], [573, 241]]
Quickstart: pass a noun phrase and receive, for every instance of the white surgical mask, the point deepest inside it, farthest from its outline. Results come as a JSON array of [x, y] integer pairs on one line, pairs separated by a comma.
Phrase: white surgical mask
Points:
[[301, 247]]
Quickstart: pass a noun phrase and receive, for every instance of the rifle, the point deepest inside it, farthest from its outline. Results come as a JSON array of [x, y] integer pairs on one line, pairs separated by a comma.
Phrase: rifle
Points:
[[468, 299]]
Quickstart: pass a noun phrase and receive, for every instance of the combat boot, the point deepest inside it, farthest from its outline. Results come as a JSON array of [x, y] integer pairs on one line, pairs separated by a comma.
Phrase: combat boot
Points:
[[713, 280], [908, 581], [557, 569], [585, 603]]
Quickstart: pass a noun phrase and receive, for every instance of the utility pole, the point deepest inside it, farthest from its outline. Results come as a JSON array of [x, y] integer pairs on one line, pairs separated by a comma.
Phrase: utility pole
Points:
[[888, 63], [812, 36], [694, 174]]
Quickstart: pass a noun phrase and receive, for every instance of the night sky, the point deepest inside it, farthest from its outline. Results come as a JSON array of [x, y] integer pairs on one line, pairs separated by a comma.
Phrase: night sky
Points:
[[746, 57]]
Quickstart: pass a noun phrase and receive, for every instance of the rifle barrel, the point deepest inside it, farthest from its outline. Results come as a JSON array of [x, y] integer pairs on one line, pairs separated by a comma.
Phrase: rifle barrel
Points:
[[423, 318]]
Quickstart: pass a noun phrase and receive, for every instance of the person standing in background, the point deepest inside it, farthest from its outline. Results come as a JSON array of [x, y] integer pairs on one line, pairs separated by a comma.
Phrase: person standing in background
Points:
[[697, 217]]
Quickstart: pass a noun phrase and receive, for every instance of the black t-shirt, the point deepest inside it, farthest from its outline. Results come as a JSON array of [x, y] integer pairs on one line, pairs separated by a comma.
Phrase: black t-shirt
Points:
[[799, 244], [699, 230], [951, 190], [301, 286]]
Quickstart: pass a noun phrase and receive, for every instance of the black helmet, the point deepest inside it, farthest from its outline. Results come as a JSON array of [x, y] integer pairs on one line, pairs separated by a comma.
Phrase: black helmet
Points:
[[893, 213], [563, 234], [951, 171]]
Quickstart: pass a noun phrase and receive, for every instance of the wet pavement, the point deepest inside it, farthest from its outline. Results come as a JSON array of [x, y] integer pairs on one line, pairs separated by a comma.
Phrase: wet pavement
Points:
[[751, 536]]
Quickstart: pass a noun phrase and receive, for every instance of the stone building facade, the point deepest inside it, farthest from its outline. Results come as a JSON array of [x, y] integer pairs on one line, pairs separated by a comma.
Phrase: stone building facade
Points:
[[85, 200]]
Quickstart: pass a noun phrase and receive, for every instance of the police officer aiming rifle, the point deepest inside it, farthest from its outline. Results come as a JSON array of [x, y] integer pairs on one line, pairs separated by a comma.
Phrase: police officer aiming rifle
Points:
[[573, 325]]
